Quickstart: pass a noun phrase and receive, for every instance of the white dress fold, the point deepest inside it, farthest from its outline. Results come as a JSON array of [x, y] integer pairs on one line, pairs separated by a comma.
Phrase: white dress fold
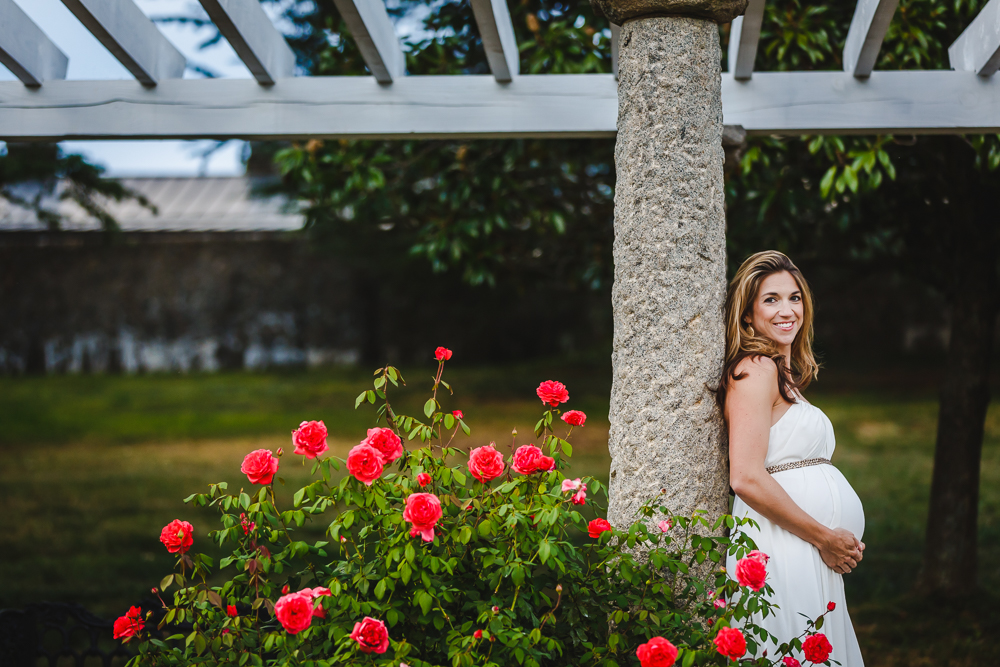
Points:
[[802, 582]]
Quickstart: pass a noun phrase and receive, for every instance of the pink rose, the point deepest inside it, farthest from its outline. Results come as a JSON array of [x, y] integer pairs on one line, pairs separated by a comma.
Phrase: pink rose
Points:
[[750, 572], [657, 652], [458, 414], [486, 463], [312, 594], [365, 463], [386, 442], [759, 556], [310, 439], [789, 661], [259, 466], [177, 536], [817, 648], [129, 625], [665, 525], [572, 485], [580, 497], [423, 511], [442, 354], [552, 393], [248, 525], [423, 479], [720, 603], [371, 635], [574, 417], [294, 612], [529, 459], [598, 526], [231, 611], [730, 643]]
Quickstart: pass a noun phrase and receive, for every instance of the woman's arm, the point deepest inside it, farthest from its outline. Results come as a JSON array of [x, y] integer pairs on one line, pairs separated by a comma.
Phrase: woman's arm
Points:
[[748, 414]]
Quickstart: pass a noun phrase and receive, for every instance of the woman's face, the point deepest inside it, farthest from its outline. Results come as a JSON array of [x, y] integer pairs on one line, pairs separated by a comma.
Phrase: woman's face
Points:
[[777, 310]]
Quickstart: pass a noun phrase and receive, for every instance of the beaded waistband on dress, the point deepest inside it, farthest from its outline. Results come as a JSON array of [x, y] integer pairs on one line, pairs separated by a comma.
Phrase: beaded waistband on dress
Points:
[[797, 464]]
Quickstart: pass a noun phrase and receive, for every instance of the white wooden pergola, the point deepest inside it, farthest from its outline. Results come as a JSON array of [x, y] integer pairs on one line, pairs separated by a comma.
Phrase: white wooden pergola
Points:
[[275, 104]]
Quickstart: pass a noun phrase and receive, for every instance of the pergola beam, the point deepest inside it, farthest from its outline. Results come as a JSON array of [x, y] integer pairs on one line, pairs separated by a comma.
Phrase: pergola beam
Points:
[[254, 38], [744, 35], [25, 50], [497, 33], [864, 37], [977, 49], [375, 36], [431, 107]]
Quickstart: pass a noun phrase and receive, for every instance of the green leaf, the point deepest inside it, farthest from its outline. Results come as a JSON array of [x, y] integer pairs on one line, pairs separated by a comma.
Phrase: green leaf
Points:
[[465, 429], [297, 498], [360, 399], [429, 406], [449, 421], [380, 589], [689, 657], [371, 396], [424, 600], [827, 182], [819, 622], [166, 581], [543, 551]]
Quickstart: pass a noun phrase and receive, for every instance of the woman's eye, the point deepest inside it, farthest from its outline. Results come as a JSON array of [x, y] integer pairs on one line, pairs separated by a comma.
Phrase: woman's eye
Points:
[[796, 298]]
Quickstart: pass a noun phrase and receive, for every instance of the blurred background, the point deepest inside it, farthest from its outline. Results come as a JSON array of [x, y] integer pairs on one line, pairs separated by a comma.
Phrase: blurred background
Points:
[[166, 307]]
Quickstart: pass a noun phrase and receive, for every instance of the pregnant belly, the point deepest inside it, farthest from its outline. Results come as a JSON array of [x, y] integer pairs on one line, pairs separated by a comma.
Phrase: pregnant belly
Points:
[[824, 493]]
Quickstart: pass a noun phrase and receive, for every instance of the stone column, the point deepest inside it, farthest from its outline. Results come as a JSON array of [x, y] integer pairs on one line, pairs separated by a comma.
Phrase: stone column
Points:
[[670, 258]]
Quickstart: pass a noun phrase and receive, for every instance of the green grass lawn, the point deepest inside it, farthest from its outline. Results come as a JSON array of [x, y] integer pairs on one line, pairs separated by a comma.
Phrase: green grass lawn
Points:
[[92, 467]]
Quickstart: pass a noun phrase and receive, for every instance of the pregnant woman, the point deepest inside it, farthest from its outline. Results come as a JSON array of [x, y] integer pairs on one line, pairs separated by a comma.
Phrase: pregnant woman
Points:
[[811, 520]]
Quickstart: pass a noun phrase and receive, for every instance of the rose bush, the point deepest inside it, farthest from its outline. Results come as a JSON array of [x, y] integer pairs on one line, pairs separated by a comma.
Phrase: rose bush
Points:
[[435, 554]]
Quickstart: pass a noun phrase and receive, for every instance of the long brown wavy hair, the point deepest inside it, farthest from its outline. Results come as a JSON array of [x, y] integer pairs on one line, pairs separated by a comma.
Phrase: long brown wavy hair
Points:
[[740, 344]]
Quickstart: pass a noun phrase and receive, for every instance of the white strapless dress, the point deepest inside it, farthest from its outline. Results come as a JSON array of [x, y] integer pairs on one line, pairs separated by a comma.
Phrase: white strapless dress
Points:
[[802, 582]]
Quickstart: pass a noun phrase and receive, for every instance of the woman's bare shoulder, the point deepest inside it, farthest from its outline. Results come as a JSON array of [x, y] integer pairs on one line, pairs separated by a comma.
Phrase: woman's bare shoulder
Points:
[[757, 376], [758, 367]]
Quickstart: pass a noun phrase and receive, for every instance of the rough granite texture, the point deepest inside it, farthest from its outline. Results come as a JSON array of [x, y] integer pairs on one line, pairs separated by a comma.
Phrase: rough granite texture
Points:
[[720, 11], [670, 271]]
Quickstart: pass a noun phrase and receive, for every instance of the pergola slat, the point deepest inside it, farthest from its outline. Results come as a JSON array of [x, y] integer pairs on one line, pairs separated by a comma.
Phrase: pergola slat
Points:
[[131, 38], [372, 29], [426, 107], [864, 37], [497, 33], [254, 38], [744, 35], [977, 49], [25, 50]]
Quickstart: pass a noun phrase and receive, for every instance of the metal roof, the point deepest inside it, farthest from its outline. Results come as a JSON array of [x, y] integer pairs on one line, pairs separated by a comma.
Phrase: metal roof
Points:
[[183, 205]]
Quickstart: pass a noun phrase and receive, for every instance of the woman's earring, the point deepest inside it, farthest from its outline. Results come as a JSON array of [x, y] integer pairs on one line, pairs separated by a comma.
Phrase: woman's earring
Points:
[[751, 331]]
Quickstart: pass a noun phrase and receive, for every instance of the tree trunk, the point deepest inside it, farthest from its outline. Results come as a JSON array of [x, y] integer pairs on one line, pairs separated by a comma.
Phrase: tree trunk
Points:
[[670, 271], [950, 559]]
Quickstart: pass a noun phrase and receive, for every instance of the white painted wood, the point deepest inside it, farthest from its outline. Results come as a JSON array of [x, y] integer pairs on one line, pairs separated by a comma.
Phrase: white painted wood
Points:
[[977, 49], [254, 38], [744, 35], [372, 29], [131, 37], [616, 35], [25, 50], [864, 37], [497, 33], [548, 106]]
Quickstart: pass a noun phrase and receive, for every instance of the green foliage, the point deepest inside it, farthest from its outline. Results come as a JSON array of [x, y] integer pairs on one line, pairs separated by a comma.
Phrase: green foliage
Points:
[[510, 575]]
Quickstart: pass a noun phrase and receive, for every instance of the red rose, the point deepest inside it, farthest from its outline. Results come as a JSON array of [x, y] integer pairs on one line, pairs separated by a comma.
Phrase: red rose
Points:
[[442, 354], [529, 459], [598, 526], [423, 479], [365, 463], [574, 417], [759, 556], [486, 463], [458, 414], [371, 635], [657, 652], [386, 442], [231, 611], [294, 612], [310, 439], [422, 510], [552, 393], [817, 648], [129, 625], [478, 634], [750, 572], [830, 606], [177, 536], [730, 643], [259, 466], [789, 661]]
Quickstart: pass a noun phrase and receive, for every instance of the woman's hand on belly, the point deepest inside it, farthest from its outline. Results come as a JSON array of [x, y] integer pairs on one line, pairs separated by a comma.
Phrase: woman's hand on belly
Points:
[[842, 551]]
